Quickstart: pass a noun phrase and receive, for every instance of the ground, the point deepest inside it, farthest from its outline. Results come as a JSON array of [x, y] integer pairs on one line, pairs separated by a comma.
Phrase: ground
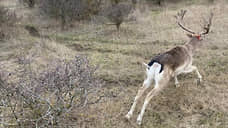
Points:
[[119, 57]]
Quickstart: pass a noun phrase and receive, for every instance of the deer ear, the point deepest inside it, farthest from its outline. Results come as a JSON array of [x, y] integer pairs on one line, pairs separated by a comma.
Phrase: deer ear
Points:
[[189, 35]]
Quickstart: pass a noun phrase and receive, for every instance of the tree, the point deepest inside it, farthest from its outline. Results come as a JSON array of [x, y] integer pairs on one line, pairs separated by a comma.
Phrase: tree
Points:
[[69, 10], [30, 3], [118, 13]]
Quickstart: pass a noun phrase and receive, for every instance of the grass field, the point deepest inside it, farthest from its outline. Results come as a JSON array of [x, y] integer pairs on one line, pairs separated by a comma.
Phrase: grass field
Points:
[[119, 57]]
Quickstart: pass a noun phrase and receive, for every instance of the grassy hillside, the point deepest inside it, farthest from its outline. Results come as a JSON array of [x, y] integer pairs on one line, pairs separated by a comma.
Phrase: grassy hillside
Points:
[[119, 57]]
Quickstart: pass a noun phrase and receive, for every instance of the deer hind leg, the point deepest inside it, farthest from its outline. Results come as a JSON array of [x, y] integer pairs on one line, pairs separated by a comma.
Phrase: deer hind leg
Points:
[[160, 83], [141, 90], [149, 96]]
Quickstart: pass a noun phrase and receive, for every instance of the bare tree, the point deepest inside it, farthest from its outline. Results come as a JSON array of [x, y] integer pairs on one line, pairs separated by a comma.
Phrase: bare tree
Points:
[[68, 10], [29, 3], [118, 12]]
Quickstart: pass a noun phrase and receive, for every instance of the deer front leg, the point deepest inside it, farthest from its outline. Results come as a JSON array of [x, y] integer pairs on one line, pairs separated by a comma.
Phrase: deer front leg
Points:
[[198, 74], [194, 68], [176, 81]]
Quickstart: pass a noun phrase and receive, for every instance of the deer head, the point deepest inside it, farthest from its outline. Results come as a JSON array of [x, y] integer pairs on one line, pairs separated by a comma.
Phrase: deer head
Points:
[[192, 34]]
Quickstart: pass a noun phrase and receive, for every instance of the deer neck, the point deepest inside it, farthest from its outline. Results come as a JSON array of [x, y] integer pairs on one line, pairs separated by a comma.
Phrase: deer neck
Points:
[[192, 45]]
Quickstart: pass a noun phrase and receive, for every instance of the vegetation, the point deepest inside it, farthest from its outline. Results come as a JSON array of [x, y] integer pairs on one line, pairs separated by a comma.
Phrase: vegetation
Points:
[[45, 99], [7, 19], [118, 13], [68, 10], [29, 3]]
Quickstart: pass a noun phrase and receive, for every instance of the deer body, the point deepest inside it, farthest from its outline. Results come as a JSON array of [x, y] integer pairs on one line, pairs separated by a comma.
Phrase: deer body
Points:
[[169, 65]]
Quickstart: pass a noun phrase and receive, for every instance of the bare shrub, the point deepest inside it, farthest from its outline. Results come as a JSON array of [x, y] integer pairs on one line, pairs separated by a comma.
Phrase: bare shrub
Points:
[[44, 99], [3, 14], [68, 10], [162, 2], [32, 30], [7, 19], [29, 3], [119, 1], [159, 2]]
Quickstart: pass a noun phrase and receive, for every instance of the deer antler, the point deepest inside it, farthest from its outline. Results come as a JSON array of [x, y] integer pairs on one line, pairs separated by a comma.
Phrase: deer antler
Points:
[[180, 17], [208, 25]]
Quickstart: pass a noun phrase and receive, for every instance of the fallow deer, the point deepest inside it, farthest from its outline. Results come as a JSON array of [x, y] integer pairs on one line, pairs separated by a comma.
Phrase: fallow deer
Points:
[[170, 64]]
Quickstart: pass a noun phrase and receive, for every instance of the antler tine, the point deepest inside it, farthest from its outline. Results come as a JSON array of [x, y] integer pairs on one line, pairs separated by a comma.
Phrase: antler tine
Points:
[[208, 25], [181, 14], [180, 17]]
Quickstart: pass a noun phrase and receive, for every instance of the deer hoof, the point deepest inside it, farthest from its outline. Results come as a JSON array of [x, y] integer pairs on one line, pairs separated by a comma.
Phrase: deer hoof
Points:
[[139, 121], [128, 116], [177, 85], [199, 81]]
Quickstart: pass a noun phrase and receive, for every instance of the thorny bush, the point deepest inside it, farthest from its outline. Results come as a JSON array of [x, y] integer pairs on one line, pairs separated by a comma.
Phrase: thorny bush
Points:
[[44, 99]]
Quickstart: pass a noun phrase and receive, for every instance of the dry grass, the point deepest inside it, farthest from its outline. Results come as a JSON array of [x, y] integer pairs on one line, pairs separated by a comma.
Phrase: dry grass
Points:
[[119, 57]]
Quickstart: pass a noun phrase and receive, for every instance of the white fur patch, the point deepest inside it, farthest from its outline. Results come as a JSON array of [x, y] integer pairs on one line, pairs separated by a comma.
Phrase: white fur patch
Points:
[[153, 74]]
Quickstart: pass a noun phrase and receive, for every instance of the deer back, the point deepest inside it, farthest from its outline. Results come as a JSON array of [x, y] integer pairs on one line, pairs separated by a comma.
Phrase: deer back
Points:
[[173, 58]]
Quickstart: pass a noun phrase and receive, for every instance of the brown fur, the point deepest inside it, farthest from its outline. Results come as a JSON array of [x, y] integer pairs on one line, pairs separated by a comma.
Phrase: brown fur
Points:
[[173, 58]]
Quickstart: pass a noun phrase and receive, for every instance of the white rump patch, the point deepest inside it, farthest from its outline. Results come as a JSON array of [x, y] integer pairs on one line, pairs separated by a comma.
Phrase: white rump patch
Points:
[[153, 74]]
